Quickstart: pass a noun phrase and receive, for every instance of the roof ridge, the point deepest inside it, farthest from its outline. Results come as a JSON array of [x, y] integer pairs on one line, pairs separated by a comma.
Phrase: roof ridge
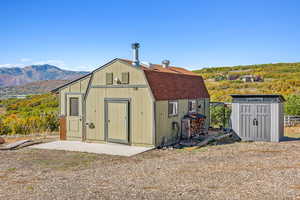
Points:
[[173, 72], [169, 68]]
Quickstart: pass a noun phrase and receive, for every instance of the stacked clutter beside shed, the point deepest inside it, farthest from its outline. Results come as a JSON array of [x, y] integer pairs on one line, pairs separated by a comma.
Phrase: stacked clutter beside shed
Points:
[[195, 135], [192, 125]]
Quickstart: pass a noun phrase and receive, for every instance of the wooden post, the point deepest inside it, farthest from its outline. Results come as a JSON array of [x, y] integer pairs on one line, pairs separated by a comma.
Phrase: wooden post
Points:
[[62, 128]]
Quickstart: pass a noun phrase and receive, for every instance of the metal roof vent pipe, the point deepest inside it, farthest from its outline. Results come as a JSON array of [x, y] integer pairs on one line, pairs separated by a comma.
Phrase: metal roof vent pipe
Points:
[[165, 63], [135, 48]]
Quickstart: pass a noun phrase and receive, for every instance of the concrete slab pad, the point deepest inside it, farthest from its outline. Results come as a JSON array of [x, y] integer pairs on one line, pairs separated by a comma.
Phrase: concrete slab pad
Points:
[[107, 148]]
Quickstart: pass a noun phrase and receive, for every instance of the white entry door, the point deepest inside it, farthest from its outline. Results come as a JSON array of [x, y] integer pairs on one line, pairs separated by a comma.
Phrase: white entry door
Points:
[[74, 116]]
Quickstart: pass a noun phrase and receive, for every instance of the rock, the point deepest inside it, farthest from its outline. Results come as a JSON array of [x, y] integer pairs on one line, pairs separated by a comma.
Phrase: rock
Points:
[[2, 141]]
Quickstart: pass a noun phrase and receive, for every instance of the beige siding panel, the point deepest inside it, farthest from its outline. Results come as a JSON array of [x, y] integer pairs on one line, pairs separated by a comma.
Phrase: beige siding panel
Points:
[[140, 108], [164, 131], [95, 115], [117, 68], [63, 100], [84, 84], [75, 87], [79, 86], [201, 103]]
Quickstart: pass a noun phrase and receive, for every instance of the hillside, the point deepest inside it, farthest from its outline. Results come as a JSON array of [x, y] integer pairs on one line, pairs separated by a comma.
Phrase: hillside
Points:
[[38, 87], [279, 78], [35, 114], [19, 76]]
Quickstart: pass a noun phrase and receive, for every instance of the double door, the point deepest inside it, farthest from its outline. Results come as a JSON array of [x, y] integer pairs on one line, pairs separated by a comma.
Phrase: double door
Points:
[[255, 122]]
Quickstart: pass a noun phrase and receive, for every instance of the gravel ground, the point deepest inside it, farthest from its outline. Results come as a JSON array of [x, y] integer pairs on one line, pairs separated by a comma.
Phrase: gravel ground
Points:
[[233, 171]]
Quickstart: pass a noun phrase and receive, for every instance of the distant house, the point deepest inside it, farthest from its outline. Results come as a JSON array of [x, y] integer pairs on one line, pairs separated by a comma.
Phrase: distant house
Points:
[[233, 77], [251, 78], [128, 102]]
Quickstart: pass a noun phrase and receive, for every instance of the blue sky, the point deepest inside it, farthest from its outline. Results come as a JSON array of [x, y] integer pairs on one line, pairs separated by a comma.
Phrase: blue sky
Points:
[[81, 35]]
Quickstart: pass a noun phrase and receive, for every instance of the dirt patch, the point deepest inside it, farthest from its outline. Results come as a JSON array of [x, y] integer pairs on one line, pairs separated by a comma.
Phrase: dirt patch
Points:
[[262, 151], [80, 160], [44, 137], [254, 170]]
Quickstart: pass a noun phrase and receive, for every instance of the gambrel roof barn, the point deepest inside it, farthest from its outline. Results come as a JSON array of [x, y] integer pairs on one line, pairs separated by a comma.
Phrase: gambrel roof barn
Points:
[[128, 102]]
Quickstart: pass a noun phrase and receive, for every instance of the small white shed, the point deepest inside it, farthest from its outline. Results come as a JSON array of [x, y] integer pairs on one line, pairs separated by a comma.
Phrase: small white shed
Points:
[[258, 117]]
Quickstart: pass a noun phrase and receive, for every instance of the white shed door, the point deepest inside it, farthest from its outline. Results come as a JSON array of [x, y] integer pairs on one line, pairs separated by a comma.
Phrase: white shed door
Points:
[[246, 128], [255, 122], [262, 122]]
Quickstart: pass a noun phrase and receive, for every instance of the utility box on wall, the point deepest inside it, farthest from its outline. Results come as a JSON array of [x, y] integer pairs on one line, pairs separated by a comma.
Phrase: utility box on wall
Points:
[[258, 117]]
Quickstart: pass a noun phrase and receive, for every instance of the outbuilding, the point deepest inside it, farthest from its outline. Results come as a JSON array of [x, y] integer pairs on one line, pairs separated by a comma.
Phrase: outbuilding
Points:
[[131, 102], [258, 117]]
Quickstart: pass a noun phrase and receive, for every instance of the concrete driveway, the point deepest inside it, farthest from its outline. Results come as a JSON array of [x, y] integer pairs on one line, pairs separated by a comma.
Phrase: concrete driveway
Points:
[[107, 148]]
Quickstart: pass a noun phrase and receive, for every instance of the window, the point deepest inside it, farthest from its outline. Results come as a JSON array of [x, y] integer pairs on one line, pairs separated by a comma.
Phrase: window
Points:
[[125, 77], [74, 106], [173, 108], [109, 78], [192, 106]]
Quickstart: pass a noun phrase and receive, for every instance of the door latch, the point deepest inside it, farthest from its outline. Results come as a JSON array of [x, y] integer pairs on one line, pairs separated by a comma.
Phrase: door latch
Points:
[[255, 122]]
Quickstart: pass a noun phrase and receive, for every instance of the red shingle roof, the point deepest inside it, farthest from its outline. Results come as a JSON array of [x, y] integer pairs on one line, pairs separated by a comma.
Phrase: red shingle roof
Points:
[[174, 82], [170, 69], [172, 86]]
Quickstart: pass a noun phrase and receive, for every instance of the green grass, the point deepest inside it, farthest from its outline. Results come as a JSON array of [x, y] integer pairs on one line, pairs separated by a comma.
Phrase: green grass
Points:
[[12, 169]]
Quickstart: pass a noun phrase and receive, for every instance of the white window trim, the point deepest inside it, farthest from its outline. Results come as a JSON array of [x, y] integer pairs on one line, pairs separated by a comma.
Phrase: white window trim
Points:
[[194, 105], [175, 108]]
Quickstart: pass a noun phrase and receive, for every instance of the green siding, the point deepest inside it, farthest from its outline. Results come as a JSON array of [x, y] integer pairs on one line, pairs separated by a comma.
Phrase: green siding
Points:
[[140, 108], [164, 131]]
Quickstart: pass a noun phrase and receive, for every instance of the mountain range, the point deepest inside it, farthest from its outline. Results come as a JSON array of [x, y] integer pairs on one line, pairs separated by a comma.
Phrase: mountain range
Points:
[[17, 76]]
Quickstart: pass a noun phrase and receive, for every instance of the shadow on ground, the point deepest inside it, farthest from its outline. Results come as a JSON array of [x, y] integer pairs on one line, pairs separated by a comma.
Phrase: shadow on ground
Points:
[[288, 139]]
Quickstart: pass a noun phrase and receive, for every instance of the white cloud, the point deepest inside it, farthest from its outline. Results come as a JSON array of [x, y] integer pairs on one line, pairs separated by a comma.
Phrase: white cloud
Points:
[[25, 60], [80, 68], [10, 65]]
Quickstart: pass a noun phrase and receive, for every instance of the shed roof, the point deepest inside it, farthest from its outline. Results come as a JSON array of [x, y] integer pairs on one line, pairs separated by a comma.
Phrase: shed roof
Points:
[[258, 96]]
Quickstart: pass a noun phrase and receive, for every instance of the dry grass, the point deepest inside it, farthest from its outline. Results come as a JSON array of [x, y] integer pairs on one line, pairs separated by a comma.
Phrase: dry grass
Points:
[[56, 162], [243, 170], [293, 132]]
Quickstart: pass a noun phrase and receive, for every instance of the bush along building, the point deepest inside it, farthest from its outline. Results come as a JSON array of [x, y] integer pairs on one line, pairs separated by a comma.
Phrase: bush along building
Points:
[[131, 102]]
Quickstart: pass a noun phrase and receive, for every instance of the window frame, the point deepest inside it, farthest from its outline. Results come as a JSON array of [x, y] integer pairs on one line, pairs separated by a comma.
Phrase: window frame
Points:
[[125, 74], [70, 107], [193, 102], [173, 102], [109, 82]]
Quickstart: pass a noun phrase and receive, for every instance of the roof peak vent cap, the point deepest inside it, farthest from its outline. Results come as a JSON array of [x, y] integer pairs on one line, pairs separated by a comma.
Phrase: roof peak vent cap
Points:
[[135, 47], [165, 63], [147, 64]]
